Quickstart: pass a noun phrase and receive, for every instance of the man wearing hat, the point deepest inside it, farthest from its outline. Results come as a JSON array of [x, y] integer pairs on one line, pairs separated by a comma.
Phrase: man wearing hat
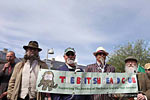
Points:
[[130, 67], [145, 84], [101, 67], [70, 65], [23, 80], [131, 64], [147, 68]]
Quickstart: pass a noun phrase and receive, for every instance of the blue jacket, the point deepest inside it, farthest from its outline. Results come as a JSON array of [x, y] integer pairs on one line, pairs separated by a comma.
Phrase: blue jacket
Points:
[[68, 96]]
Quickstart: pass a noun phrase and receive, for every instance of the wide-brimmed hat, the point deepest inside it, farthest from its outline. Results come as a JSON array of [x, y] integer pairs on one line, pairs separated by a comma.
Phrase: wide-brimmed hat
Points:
[[130, 58], [147, 66], [100, 50], [69, 49], [33, 44]]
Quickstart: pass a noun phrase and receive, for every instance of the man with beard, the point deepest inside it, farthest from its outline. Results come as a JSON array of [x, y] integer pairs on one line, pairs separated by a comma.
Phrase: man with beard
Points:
[[145, 84], [23, 80], [101, 67], [70, 65], [5, 74], [130, 67], [131, 64]]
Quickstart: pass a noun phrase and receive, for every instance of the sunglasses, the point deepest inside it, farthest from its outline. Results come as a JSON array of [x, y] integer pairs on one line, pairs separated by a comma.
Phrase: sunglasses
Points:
[[147, 69], [101, 54], [70, 54]]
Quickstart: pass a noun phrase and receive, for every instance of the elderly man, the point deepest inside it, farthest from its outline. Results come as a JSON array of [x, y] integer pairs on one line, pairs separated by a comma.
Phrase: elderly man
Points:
[[145, 84], [101, 67], [70, 65], [131, 64], [23, 80], [5, 74], [130, 67]]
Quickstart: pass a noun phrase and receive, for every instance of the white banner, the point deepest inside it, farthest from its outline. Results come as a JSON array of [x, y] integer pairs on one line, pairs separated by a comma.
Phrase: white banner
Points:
[[65, 82]]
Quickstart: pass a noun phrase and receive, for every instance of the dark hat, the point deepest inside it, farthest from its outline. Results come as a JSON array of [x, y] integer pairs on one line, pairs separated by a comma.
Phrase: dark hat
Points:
[[33, 44], [69, 49], [131, 58]]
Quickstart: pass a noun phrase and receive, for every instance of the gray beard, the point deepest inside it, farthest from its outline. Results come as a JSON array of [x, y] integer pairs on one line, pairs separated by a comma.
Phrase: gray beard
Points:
[[130, 69], [31, 58], [70, 61]]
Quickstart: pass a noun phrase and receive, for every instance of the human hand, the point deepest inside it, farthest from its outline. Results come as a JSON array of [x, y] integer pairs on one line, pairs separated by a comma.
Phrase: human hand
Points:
[[6, 66], [3, 94], [141, 97]]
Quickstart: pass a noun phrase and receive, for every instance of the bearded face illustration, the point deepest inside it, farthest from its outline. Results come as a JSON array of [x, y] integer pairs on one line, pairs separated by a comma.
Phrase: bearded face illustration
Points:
[[47, 81]]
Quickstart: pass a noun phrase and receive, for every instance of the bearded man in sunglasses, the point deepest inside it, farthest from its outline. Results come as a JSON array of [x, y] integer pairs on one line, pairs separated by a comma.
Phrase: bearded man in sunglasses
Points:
[[70, 65], [101, 67]]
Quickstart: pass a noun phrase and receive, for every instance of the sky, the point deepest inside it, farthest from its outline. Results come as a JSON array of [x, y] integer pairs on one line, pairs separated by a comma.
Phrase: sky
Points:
[[81, 24]]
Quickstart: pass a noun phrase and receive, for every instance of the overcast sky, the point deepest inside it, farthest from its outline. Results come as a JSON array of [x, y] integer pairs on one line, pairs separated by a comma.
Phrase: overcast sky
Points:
[[81, 24]]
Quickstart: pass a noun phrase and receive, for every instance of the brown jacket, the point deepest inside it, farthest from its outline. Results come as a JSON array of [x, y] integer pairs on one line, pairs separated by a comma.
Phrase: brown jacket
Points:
[[145, 84], [15, 80], [94, 68]]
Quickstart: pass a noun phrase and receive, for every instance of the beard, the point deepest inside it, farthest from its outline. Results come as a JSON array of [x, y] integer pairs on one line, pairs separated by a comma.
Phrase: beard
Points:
[[31, 58], [132, 69], [102, 61], [70, 61]]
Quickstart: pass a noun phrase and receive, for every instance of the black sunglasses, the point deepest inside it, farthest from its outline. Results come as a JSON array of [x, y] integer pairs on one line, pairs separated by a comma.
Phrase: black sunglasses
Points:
[[101, 54], [147, 69], [70, 54]]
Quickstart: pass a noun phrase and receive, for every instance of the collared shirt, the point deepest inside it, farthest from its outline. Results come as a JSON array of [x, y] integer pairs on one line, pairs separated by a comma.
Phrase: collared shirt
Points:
[[29, 77], [100, 67]]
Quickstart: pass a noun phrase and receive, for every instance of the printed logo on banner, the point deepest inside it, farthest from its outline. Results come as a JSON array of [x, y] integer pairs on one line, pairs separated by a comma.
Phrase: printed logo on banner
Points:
[[47, 81]]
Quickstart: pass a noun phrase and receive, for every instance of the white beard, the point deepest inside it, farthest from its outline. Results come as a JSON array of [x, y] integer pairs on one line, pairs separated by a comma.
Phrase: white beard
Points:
[[130, 69], [70, 61]]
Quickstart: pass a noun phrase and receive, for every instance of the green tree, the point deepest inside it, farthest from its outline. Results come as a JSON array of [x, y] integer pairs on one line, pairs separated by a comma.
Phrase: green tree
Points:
[[139, 49]]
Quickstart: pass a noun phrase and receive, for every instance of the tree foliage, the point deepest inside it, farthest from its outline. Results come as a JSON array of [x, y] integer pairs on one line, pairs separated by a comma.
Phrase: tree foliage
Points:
[[139, 49]]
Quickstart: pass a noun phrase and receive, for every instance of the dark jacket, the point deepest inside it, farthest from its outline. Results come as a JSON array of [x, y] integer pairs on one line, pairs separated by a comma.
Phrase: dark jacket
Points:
[[5, 77], [68, 96]]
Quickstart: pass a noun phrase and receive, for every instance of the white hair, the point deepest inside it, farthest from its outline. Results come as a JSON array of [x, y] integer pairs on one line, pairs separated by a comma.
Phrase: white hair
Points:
[[130, 69]]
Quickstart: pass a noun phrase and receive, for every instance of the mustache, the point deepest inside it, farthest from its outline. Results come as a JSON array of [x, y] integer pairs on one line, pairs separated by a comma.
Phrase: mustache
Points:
[[70, 61], [34, 57]]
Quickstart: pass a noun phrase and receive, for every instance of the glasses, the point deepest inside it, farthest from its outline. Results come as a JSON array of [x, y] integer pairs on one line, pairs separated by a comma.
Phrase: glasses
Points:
[[101, 54], [147, 69], [70, 54]]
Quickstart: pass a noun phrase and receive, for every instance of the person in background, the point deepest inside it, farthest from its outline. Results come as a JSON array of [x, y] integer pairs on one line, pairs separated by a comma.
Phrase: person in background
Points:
[[147, 67], [5, 74], [145, 84]]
